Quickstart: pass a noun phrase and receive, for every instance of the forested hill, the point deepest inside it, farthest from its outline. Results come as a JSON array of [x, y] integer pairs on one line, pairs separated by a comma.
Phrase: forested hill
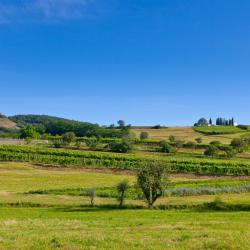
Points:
[[24, 120], [58, 126]]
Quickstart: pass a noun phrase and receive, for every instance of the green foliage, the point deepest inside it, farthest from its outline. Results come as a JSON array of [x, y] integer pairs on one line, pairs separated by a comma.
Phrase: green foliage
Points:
[[121, 147], [144, 135], [212, 150], [152, 180], [59, 126], [165, 147], [122, 188], [122, 161], [215, 143], [91, 193], [202, 122], [172, 138], [198, 140], [69, 137], [29, 132], [190, 144], [238, 144]]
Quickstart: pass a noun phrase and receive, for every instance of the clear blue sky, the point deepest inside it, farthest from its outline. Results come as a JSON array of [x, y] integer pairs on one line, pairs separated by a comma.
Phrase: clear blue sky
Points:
[[145, 61]]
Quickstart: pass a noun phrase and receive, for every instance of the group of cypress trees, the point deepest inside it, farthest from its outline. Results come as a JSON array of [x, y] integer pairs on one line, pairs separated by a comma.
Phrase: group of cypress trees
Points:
[[224, 122]]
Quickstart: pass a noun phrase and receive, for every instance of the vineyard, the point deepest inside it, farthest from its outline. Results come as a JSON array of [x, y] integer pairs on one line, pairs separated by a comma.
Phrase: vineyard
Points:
[[122, 161]]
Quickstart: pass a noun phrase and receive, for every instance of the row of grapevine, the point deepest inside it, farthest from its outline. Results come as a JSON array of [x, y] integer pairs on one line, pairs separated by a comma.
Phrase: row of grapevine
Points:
[[121, 161]]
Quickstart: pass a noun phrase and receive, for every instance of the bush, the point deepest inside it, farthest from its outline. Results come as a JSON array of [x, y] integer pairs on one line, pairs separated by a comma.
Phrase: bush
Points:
[[68, 137], [190, 144], [238, 144], [144, 135], [211, 151], [198, 140], [121, 147], [165, 147], [215, 143]]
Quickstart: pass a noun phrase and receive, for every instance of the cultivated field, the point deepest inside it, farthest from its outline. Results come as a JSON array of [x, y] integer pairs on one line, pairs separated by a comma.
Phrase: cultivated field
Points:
[[189, 134], [42, 208]]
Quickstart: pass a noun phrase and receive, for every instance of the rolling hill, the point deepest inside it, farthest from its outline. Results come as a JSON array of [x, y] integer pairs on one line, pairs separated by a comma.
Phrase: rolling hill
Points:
[[6, 123]]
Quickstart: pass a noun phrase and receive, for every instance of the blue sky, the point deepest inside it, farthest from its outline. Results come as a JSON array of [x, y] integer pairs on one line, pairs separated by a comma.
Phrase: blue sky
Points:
[[148, 62]]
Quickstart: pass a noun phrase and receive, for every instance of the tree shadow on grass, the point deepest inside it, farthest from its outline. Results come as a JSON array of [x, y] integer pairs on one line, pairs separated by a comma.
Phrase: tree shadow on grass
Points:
[[97, 208]]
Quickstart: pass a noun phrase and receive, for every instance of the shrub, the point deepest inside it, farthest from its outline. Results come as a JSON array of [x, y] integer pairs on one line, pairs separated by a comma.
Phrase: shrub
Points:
[[211, 151], [198, 140], [121, 147], [171, 138], [144, 135], [215, 143], [122, 188], [190, 144], [68, 137], [91, 194], [165, 147]]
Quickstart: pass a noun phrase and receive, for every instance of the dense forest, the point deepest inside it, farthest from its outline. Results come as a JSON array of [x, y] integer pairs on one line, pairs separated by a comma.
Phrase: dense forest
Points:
[[51, 125]]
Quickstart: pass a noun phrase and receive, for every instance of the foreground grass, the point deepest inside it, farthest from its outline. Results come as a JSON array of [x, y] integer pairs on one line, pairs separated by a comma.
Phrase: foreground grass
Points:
[[66, 222], [122, 229]]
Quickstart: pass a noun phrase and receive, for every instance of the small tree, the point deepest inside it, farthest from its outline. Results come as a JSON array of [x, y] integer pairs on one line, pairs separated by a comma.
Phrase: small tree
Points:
[[121, 124], [122, 188], [69, 137], [152, 180], [198, 140], [29, 132], [144, 135], [172, 138], [165, 147], [212, 150], [91, 194], [121, 147]]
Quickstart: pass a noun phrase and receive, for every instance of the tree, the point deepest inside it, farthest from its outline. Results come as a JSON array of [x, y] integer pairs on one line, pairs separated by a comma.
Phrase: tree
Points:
[[91, 194], [144, 135], [198, 140], [165, 147], [212, 150], [171, 138], [69, 137], [121, 147], [239, 144], [202, 122], [210, 121], [122, 188], [152, 180], [29, 132], [121, 124]]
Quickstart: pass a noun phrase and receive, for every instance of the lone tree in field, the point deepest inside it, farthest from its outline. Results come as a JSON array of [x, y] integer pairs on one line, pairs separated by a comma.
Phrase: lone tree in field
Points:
[[122, 188], [152, 180], [144, 135], [69, 137], [91, 194]]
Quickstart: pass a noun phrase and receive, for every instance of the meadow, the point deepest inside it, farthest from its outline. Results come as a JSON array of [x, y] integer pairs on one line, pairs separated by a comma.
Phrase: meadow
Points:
[[44, 202], [177, 222]]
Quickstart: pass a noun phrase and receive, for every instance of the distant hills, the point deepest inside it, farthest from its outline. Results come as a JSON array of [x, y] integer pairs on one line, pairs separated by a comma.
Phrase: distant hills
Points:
[[6, 123]]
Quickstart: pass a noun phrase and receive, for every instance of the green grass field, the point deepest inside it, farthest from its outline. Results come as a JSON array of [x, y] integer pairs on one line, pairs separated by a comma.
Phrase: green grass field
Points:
[[64, 221]]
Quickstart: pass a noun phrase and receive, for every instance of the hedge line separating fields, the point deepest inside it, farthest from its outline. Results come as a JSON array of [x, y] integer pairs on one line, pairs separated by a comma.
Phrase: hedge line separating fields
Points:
[[147, 142], [121, 161]]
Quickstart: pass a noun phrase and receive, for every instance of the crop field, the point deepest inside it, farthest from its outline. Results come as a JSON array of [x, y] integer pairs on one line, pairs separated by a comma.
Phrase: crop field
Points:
[[224, 134], [35, 200]]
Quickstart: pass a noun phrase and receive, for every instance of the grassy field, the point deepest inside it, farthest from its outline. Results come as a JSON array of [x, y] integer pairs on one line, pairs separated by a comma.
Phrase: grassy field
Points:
[[189, 134], [70, 223]]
